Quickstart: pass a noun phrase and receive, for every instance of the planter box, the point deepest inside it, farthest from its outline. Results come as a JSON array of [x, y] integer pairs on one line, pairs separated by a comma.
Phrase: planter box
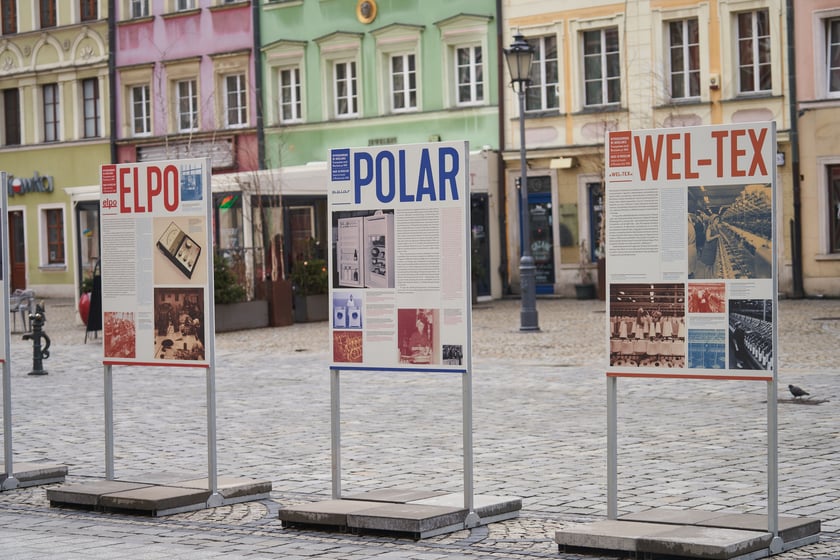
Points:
[[585, 291], [312, 308], [241, 316]]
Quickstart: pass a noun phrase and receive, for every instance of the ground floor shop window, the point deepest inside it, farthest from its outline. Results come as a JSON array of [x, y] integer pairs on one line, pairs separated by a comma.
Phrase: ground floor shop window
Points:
[[834, 208], [52, 238]]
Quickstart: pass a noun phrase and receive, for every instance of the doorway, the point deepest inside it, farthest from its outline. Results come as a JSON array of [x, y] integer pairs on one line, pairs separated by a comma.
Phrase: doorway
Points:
[[17, 251], [541, 223]]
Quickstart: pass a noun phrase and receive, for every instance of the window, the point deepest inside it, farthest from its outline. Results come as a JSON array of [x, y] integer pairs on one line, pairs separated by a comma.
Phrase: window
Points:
[[290, 95], [9, 16], [469, 75], [11, 117], [181, 5], [141, 117], [542, 93], [139, 8], [346, 93], [90, 106], [187, 105], [53, 223], [833, 55], [87, 9], [601, 67], [684, 51], [47, 8], [833, 208], [49, 94], [754, 70], [236, 101], [403, 83]]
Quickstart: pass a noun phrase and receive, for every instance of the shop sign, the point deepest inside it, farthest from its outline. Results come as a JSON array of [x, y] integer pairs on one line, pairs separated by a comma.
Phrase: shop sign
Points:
[[35, 184]]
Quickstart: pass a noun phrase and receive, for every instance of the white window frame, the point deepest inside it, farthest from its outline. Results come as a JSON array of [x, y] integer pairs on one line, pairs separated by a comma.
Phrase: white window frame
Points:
[[97, 109], [137, 9], [730, 84], [662, 63], [241, 96], [477, 79], [539, 65], [42, 113], [284, 56], [685, 50], [408, 76], [43, 240], [147, 110], [576, 29], [345, 76], [753, 45], [295, 88], [192, 98], [341, 49], [822, 76], [464, 31], [398, 40], [604, 79], [822, 165], [184, 5]]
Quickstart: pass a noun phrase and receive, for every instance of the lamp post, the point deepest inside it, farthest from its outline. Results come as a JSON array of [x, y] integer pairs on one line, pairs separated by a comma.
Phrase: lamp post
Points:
[[519, 57]]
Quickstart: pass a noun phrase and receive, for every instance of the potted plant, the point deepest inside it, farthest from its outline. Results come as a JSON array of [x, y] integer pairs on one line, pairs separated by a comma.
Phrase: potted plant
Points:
[[233, 310], [585, 287], [310, 284]]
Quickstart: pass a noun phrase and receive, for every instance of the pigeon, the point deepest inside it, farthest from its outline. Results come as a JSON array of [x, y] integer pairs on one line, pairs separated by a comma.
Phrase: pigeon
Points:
[[798, 391]]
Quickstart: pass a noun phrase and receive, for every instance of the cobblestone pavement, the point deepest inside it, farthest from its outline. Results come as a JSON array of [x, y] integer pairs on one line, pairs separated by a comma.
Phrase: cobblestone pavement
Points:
[[539, 433]]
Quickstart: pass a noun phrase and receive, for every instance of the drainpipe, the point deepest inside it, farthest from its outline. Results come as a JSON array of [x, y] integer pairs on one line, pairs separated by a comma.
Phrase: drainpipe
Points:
[[500, 164], [112, 76], [796, 225], [255, 11]]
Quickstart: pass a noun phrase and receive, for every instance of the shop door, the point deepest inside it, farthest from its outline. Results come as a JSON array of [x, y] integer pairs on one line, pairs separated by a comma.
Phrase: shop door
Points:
[[480, 264], [17, 251], [542, 232]]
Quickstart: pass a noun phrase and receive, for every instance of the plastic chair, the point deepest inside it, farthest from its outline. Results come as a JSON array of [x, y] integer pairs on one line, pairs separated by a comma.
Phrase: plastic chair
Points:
[[21, 301]]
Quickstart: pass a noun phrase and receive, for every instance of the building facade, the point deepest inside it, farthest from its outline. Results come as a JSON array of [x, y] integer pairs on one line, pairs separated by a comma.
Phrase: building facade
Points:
[[350, 74], [616, 65], [817, 74], [55, 133]]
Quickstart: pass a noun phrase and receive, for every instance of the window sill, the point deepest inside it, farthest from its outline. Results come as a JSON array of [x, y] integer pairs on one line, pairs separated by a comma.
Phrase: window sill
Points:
[[132, 21], [229, 5], [272, 4], [598, 109], [683, 102], [828, 257], [751, 97], [52, 268], [182, 13]]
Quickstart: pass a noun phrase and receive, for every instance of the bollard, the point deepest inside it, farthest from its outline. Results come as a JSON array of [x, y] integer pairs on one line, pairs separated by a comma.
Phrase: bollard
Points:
[[36, 322]]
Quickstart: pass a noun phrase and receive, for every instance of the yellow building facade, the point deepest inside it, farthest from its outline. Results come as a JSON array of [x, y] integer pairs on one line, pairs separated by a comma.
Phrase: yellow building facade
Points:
[[602, 66]]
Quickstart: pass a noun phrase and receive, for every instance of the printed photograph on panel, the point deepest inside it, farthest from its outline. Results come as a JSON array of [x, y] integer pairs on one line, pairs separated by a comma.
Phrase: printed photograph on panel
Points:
[[347, 310], [178, 253], [707, 348], [192, 187], [730, 232], [179, 324], [348, 347], [417, 336], [647, 325], [363, 254], [453, 354], [120, 334], [707, 297], [750, 334]]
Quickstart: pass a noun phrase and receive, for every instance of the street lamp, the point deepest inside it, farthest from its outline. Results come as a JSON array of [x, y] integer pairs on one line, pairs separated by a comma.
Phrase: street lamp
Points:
[[519, 57]]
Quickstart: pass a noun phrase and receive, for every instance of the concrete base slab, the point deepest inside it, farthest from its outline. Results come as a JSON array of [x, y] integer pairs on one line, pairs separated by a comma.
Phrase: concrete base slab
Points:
[[714, 543], [402, 512], [156, 500], [672, 533], [332, 513], [36, 474], [790, 528], [415, 520], [491, 509], [88, 494], [121, 496], [394, 495]]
